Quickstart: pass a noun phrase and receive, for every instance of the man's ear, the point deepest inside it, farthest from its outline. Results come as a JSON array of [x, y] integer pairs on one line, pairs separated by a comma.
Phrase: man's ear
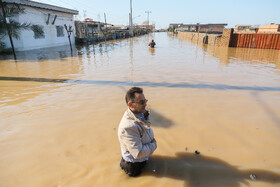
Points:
[[129, 104]]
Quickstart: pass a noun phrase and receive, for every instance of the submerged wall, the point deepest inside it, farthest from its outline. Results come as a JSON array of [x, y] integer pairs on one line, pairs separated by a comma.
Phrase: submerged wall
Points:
[[221, 40], [51, 38], [230, 39]]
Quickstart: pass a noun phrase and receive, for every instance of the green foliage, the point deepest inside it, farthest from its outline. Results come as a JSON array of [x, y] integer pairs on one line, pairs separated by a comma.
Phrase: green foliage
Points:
[[171, 29], [12, 10]]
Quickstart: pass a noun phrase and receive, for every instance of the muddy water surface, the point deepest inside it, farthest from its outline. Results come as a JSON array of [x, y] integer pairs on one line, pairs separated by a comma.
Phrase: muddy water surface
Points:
[[60, 113]]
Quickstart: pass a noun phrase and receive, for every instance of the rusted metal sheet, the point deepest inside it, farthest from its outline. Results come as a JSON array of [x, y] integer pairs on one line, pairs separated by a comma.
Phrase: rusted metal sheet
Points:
[[262, 41], [272, 41], [276, 40], [278, 43]]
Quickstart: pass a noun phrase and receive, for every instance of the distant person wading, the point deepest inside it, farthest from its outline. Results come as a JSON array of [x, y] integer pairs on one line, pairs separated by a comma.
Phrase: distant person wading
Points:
[[135, 134], [152, 44]]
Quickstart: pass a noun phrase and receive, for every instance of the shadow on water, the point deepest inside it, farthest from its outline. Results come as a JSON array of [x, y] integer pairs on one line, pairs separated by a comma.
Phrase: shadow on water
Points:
[[200, 170], [160, 120], [273, 116], [148, 84]]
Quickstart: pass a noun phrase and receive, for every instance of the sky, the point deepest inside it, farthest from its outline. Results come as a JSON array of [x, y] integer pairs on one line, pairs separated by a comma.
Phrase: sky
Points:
[[164, 12]]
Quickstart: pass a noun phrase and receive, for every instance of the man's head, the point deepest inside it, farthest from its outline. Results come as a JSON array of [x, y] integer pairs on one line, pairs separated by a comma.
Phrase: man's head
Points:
[[136, 100]]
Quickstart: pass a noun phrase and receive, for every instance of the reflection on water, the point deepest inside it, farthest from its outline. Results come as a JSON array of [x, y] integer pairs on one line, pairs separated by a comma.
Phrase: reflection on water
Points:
[[60, 111], [61, 52], [232, 55], [152, 50]]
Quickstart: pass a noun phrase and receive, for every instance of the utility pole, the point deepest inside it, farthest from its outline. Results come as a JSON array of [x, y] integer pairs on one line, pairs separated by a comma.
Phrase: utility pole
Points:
[[105, 22], [148, 12], [130, 20], [104, 33], [85, 14], [8, 29], [198, 30]]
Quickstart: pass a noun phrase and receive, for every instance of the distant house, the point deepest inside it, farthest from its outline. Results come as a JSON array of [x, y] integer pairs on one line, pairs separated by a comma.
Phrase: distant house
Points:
[[272, 28], [209, 28], [89, 28], [50, 18], [212, 27], [118, 27], [244, 29], [147, 27], [175, 25]]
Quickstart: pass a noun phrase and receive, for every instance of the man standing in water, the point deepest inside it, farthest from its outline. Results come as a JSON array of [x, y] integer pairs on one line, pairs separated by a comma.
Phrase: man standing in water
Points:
[[152, 44], [135, 134]]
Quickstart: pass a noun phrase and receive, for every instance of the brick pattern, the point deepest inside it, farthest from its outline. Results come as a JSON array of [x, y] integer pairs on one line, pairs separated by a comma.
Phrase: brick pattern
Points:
[[228, 39], [213, 39], [223, 41]]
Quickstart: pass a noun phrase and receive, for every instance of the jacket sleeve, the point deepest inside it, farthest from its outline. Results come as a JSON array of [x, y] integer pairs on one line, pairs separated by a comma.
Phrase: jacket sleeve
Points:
[[132, 140]]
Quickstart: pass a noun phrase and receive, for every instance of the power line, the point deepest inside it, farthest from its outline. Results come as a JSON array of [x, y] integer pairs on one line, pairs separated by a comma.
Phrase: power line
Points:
[[148, 12]]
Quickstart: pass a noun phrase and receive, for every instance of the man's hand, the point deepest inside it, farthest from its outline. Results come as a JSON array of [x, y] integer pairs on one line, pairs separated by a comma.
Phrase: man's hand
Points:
[[146, 114]]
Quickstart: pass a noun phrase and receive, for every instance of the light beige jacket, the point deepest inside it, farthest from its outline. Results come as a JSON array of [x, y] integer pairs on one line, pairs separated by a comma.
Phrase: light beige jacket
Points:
[[136, 136]]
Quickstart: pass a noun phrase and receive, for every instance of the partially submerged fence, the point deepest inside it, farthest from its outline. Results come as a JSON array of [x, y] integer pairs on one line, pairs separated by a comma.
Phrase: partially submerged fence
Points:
[[261, 41]]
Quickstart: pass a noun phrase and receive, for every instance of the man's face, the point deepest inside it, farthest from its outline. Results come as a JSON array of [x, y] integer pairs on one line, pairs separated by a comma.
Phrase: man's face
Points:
[[138, 104]]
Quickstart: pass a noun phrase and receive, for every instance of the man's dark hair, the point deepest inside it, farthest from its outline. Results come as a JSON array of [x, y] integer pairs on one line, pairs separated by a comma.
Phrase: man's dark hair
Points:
[[130, 94]]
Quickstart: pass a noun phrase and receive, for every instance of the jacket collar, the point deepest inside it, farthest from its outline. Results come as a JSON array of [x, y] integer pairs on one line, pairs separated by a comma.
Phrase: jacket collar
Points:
[[132, 115]]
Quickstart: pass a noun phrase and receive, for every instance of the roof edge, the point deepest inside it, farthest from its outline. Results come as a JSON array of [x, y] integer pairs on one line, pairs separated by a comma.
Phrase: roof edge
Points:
[[42, 5]]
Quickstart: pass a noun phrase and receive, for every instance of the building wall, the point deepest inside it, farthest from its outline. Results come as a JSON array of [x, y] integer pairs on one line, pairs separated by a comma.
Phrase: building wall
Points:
[[38, 16], [273, 28], [224, 40], [204, 29], [259, 40], [214, 28], [213, 39], [229, 39], [247, 31], [218, 28]]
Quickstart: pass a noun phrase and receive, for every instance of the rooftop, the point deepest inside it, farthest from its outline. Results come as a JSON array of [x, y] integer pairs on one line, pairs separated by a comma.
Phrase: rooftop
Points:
[[42, 5]]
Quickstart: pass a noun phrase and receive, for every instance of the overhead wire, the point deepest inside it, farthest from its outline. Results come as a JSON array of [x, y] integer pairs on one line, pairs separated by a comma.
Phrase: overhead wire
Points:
[[73, 4]]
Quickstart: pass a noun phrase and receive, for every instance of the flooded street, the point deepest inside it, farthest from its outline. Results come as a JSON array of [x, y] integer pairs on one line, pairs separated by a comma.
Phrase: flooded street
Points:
[[60, 113]]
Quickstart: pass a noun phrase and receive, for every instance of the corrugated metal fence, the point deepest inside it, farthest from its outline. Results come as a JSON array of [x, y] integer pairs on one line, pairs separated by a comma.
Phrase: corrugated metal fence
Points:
[[261, 41]]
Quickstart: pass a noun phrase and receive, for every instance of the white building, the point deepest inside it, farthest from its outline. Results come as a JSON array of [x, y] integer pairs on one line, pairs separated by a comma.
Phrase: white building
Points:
[[50, 18]]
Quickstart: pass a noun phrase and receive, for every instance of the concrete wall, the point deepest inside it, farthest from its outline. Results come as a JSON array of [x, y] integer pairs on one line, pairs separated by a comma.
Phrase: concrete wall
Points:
[[212, 28], [273, 28], [224, 40], [39, 16], [213, 39]]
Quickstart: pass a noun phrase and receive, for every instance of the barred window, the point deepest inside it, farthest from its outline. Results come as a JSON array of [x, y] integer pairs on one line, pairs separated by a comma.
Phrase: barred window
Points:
[[59, 31], [38, 31]]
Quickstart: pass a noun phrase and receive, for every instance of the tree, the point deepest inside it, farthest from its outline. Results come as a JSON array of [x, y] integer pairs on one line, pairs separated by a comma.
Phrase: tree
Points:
[[171, 29], [15, 27]]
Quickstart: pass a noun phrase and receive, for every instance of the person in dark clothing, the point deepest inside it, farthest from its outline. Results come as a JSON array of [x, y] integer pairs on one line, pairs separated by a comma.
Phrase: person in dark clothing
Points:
[[152, 44], [132, 169], [135, 133]]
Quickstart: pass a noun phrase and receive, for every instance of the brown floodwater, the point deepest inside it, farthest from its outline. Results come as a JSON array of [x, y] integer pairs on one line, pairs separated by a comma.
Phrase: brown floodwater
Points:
[[60, 113]]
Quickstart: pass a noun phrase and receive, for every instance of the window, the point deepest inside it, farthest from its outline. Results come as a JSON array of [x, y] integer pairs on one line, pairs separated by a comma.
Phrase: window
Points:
[[59, 31], [38, 31]]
